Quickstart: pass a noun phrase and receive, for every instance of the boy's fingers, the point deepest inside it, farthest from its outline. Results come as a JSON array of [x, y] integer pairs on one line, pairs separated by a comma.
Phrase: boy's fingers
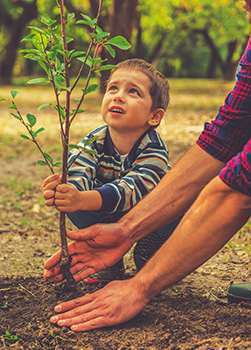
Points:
[[48, 194], [49, 202], [50, 178], [51, 182]]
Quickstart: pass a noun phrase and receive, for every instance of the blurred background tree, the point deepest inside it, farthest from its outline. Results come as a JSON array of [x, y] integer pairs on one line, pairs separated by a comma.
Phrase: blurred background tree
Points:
[[182, 38]]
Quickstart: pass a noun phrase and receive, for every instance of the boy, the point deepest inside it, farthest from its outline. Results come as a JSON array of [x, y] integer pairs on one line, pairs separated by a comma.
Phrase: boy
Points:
[[130, 159]]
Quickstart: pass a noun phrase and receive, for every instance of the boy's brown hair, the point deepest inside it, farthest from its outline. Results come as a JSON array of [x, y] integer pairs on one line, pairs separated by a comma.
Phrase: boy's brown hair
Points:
[[159, 90]]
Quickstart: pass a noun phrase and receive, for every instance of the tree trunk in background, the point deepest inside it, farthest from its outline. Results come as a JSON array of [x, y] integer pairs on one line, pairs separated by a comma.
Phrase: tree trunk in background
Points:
[[15, 29], [227, 66], [122, 19]]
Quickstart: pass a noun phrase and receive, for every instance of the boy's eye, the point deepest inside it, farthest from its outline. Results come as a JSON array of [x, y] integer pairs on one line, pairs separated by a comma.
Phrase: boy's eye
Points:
[[134, 91], [113, 88]]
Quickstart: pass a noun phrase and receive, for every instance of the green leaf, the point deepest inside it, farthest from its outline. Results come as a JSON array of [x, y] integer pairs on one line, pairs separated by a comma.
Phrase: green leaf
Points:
[[43, 65], [90, 140], [47, 156], [88, 61], [25, 137], [66, 89], [37, 81], [31, 57], [98, 60], [87, 20], [77, 53], [90, 151], [40, 42], [43, 106], [68, 40], [120, 42], [40, 130], [38, 30], [73, 146], [58, 164], [61, 110], [16, 116], [107, 67], [81, 21], [28, 37], [31, 119], [4, 99], [111, 51], [70, 16], [48, 21], [80, 111], [13, 107], [91, 88], [14, 93], [102, 35], [41, 162], [59, 80], [35, 52]]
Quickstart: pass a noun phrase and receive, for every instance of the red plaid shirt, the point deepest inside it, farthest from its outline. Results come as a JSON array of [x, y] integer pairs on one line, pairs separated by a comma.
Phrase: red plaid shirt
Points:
[[228, 137]]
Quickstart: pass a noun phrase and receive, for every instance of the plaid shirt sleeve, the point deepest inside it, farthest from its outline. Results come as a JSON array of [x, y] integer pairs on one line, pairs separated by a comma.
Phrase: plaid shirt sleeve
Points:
[[227, 138], [237, 173]]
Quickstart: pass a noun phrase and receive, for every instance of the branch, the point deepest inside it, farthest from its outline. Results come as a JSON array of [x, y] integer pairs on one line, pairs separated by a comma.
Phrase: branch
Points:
[[33, 138]]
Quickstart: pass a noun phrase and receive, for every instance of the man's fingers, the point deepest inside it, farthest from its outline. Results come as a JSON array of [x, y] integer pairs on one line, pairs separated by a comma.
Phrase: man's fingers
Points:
[[85, 322], [82, 314], [53, 261], [83, 234], [103, 308]]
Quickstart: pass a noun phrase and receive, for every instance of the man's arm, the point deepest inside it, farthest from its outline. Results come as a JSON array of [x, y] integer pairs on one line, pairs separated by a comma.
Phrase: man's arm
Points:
[[212, 220], [174, 194], [217, 214]]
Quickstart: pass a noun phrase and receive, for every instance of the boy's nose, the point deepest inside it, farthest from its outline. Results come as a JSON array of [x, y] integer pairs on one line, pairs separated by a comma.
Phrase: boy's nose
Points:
[[118, 98]]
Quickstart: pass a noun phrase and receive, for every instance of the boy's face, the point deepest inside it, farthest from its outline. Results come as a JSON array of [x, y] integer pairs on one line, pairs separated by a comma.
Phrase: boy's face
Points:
[[127, 102]]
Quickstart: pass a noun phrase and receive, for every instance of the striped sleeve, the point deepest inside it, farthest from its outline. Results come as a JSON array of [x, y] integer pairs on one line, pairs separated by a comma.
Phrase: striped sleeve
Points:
[[83, 170], [147, 170]]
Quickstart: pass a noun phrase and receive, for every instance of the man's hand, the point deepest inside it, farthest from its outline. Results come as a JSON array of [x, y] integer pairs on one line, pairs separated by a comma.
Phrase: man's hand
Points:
[[116, 303], [94, 249]]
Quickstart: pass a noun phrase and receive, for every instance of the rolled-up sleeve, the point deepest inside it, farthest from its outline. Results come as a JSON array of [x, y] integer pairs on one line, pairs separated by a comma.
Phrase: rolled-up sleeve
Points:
[[237, 172]]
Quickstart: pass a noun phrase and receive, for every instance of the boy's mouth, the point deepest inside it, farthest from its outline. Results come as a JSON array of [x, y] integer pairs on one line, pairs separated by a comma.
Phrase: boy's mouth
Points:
[[117, 110]]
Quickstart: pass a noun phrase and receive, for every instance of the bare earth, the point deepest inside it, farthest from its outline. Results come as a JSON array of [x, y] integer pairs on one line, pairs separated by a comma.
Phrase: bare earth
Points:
[[194, 314]]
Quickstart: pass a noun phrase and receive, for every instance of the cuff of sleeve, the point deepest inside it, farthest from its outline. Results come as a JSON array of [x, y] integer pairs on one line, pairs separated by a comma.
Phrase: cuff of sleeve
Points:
[[109, 198], [237, 175]]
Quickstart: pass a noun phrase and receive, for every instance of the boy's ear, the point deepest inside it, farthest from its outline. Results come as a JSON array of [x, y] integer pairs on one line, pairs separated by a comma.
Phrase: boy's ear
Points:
[[156, 117]]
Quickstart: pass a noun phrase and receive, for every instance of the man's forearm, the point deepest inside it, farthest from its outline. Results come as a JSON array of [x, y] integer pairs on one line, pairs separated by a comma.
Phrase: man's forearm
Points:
[[173, 195], [217, 214]]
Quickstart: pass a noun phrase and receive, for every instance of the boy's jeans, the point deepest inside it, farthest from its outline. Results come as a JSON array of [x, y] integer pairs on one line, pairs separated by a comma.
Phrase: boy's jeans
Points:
[[84, 219]]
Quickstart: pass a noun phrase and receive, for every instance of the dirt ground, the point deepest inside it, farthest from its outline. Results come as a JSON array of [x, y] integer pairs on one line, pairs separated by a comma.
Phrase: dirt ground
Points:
[[194, 314]]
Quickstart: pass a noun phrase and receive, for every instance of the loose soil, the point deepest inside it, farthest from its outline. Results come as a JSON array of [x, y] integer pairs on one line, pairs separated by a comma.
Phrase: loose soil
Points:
[[194, 314]]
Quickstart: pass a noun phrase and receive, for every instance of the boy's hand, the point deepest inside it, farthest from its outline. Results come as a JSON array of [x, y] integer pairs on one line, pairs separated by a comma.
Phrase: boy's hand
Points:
[[49, 187], [67, 198]]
